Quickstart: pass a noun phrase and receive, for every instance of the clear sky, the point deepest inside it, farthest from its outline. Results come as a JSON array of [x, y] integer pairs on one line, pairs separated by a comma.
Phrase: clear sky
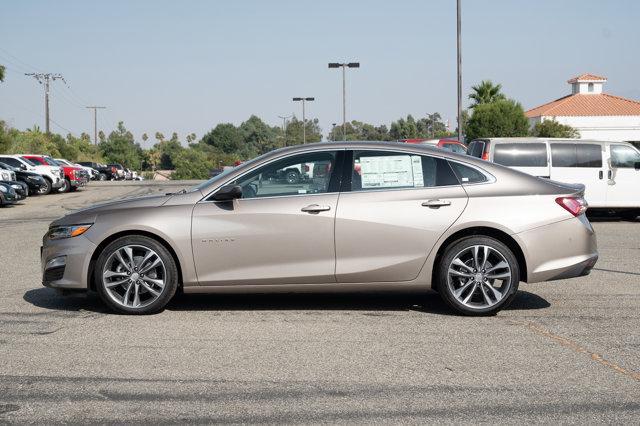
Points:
[[185, 66]]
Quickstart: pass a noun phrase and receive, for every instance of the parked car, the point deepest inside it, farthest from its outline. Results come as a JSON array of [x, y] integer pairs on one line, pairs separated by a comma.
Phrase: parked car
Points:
[[409, 216], [74, 177], [447, 144], [8, 195], [53, 175], [610, 171], [34, 181], [92, 173], [9, 177], [120, 173], [104, 172]]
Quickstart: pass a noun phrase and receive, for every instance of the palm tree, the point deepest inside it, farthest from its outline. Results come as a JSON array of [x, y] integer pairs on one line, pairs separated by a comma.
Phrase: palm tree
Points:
[[2, 72], [485, 93]]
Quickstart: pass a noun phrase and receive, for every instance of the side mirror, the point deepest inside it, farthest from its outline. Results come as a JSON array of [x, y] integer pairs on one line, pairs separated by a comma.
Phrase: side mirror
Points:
[[23, 167], [228, 193], [636, 165]]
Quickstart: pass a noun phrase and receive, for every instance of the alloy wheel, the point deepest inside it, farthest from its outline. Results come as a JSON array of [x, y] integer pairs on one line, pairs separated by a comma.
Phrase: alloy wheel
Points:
[[134, 276], [479, 277]]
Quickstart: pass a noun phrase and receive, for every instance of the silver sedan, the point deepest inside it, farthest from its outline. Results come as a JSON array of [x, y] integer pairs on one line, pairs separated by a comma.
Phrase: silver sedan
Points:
[[331, 217]]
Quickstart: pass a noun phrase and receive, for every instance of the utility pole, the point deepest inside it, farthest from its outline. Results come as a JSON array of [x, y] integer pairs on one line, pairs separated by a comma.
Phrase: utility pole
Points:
[[344, 66], [284, 127], [46, 78], [304, 117], [95, 121], [459, 41]]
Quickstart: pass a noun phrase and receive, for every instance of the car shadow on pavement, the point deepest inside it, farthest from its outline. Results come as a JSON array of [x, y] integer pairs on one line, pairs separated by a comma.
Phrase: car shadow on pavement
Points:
[[422, 302]]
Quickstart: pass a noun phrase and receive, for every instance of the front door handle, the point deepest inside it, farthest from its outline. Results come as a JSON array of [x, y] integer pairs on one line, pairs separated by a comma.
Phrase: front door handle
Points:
[[601, 174], [315, 208], [436, 203], [609, 174]]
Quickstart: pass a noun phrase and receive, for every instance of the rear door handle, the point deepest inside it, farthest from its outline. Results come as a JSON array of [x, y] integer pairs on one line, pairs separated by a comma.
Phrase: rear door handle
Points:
[[436, 203], [315, 208], [600, 174]]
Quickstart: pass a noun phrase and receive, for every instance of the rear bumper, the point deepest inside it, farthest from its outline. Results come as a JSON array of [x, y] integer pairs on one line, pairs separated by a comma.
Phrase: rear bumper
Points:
[[561, 250]]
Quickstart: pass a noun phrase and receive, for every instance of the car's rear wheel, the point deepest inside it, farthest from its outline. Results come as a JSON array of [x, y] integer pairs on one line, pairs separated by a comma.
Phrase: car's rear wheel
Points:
[[292, 177], [102, 176], [478, 276], [44, 190], [136, 275]]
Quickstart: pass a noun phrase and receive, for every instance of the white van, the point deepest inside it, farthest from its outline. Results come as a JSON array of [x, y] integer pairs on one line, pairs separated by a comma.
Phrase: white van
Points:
[[610, 171]]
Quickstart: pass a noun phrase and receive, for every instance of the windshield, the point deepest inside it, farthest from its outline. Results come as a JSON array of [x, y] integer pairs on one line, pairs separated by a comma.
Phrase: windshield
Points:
[[29, 162], [50, 161]]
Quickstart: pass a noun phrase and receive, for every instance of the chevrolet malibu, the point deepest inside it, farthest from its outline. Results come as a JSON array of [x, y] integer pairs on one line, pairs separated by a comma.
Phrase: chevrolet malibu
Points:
[[360, 216]]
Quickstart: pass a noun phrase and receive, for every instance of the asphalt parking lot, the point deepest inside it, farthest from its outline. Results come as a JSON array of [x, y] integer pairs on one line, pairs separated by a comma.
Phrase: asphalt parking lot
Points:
[[566, 351]]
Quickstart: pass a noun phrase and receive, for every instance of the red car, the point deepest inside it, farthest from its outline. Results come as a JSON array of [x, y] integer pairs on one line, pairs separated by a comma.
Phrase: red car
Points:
[[448, 144], [74, 177]]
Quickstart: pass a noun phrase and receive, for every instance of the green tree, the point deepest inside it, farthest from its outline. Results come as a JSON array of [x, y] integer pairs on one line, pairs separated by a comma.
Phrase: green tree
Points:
[[167, 150], [486, 92], [502, 118], [257, 137], [2, 71], [359, 131], [404, 129], [225, 137], [295, 134], [120, 147], [553, 129], [432, 126], [33, 141], [192, 164]]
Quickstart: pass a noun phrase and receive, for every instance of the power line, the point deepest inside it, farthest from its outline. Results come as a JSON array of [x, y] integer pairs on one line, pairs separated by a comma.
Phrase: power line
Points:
[[39, 114]]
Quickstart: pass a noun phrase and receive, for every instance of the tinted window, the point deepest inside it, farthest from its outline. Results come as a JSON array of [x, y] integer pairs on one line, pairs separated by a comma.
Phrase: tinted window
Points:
[[374, 170], [467, 174], [520, 154], [11, 161], [624, 156], [296, 175], [476, 148], [575, 155]]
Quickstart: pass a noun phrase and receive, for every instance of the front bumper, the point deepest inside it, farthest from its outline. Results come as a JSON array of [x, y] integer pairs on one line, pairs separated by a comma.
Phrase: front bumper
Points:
[[72, 273], [561, 250]]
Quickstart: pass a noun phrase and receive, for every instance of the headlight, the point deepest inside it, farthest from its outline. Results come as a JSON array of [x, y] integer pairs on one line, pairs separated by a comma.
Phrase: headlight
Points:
[[16, 186], [3, 188], [5, 176], [60, 232]]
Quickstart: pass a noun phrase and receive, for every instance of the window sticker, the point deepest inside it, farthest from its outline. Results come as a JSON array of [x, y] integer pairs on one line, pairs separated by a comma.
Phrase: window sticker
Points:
[[390, 171]]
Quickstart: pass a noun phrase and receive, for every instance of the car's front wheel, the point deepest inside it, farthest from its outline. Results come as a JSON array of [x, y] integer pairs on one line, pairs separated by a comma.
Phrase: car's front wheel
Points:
[[136, 275], [478, 276], [46, 188]]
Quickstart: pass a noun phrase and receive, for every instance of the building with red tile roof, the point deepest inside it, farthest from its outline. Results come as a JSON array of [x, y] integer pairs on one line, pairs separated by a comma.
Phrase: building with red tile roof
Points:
[[595, 114]]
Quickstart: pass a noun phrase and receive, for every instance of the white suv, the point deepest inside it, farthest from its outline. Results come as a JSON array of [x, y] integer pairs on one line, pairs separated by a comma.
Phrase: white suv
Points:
[[53, 176]]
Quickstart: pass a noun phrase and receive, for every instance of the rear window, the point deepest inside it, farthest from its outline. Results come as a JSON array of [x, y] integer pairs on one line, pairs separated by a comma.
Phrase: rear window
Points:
[[476, 148], [576, 155], [466, 174], [520, 154]]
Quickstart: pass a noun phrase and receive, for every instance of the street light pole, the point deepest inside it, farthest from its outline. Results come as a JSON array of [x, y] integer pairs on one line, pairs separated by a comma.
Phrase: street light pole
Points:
[[304, 117], [344, 66], [459, 49]]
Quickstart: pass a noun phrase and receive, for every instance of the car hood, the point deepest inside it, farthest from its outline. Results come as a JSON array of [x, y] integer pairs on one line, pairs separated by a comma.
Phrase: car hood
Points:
[[89, 214]]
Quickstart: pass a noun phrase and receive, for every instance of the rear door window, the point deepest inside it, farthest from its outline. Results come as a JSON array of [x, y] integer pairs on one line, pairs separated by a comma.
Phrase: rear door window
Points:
[[576, 155], [520, 154], [380, 170]]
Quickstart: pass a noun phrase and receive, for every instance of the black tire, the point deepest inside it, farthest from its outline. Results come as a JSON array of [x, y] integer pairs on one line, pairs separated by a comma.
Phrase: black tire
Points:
[[171, 277], [450, 254], [292, 177], [47, 188], [73, 188], [102, 176], [66, 186]]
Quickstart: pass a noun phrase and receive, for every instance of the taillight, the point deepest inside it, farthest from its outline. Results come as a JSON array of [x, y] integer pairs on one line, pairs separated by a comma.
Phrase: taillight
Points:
[[574, 205]]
